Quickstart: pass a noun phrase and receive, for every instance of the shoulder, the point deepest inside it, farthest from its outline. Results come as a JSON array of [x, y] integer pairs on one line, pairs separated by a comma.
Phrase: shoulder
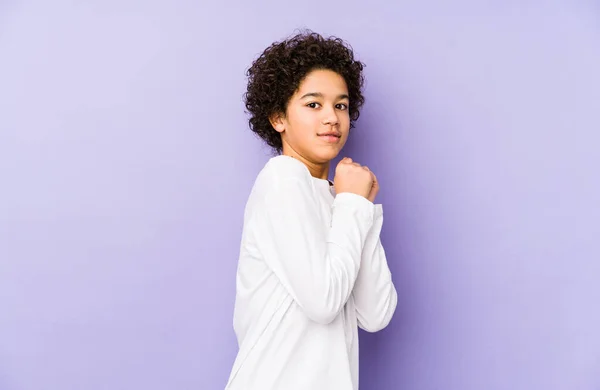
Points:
[[281, 169], [281, 176]]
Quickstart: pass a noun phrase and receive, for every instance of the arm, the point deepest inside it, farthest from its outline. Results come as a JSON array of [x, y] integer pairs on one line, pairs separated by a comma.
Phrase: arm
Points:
[[317, 265], [375, 296]]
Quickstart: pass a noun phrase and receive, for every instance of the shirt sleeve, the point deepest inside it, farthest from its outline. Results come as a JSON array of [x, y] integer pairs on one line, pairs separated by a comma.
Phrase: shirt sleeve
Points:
[[317, 264], [375, 296]]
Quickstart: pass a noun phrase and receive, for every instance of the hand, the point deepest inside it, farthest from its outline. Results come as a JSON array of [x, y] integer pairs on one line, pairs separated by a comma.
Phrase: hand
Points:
[[374, 189], [354, 178]]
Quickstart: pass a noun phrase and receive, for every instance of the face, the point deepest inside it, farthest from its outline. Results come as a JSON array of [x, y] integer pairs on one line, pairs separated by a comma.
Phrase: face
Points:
[[316, 124]]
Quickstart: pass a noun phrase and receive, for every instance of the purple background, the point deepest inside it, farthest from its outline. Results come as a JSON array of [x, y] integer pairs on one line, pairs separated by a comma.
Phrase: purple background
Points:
[[125, 163]]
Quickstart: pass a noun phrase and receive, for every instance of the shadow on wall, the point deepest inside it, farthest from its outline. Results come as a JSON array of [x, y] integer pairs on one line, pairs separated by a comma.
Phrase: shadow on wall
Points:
[[7, 7], [4, 383], [366, 147]]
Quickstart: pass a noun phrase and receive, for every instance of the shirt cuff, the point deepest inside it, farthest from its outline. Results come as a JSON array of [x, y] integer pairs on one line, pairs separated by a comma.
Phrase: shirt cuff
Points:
[[364, 205], [378, 211]]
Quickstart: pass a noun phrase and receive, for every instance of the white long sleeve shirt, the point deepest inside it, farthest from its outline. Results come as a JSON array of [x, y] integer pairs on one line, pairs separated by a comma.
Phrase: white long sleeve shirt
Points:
[[311, 270]]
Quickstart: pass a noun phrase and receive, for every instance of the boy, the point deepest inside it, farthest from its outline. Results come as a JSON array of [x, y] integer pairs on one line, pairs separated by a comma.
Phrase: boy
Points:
[[312, 268]]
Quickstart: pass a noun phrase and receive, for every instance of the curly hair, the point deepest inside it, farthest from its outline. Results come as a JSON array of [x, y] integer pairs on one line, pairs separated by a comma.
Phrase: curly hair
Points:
[[277, 73]]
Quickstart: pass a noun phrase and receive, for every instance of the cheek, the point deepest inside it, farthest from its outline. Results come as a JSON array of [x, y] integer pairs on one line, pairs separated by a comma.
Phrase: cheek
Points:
[[345, 122], [299, 119], [307, 123]]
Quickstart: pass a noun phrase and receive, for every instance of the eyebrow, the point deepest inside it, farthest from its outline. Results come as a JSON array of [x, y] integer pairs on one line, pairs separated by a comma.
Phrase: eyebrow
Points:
[[320, 95]]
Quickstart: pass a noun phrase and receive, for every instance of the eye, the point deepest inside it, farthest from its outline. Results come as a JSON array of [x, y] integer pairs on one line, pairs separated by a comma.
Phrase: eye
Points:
[[312, 105], [341, 106]]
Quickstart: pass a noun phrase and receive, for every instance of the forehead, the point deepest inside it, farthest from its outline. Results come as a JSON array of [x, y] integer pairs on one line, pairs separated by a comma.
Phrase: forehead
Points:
[[326, 82]]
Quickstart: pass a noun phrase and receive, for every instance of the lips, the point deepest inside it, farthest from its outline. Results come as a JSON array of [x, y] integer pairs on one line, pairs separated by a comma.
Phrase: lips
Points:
[[330, 134], [331, 137]]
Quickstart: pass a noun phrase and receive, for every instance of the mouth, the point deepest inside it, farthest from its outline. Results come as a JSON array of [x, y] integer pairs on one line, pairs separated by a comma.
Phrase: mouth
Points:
[[332, 137]]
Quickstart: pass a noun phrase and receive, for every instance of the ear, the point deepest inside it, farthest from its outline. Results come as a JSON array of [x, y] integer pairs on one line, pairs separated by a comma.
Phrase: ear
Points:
[[278, 122]]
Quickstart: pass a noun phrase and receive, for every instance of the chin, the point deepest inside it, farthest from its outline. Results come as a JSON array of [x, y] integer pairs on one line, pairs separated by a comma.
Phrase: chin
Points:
[[327, 155]]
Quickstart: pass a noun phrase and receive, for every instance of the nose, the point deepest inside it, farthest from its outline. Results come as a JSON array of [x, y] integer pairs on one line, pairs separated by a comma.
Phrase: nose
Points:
[[330, 117]]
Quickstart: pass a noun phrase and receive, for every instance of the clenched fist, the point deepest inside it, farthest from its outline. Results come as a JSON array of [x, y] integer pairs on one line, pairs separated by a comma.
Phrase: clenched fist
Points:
[[355, 178]]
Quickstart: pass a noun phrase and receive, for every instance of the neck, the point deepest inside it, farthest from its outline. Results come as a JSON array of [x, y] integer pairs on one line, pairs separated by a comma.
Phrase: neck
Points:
[[317, 170]]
